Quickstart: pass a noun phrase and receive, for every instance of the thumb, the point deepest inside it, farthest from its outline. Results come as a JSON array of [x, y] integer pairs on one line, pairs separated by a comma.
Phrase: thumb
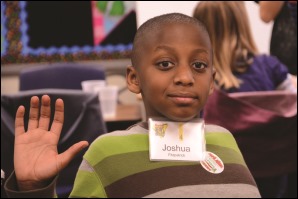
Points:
[[65, 157]]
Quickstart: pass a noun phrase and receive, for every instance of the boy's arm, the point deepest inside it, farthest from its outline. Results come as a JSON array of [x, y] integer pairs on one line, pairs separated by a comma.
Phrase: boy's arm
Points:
[[12, 190]]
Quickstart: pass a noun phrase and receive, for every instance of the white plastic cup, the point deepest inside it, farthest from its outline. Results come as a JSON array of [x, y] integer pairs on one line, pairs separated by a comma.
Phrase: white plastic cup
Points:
[[2, 176], [108, 97], [90, 85]]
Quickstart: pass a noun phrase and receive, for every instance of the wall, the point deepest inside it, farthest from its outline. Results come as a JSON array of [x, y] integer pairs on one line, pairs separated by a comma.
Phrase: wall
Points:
[[261, 31], [148, 9]]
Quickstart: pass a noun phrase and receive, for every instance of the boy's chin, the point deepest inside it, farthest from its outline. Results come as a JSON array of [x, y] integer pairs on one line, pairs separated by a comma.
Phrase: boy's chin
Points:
[[182, 118]]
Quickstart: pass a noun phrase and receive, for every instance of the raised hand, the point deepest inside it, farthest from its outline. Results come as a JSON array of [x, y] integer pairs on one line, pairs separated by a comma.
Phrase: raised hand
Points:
[[36, 159]]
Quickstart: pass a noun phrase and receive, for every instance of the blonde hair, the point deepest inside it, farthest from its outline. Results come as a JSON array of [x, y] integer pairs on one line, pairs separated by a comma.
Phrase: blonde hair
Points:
[[231, 38]]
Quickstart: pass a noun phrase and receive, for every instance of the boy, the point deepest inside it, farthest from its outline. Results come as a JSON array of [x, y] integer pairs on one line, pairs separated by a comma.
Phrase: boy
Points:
[[172, 69]]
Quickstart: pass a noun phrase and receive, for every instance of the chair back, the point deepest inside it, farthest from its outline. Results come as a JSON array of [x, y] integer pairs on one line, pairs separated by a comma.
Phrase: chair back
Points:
[[264, 124], [83, 121], [59, 75]]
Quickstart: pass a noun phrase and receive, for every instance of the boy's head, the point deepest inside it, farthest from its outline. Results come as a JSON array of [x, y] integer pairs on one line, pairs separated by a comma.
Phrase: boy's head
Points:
[[172, 66]]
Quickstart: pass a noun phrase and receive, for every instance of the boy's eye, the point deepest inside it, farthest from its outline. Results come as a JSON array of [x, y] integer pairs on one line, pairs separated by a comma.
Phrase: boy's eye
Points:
[[165, 64], [199, 65]]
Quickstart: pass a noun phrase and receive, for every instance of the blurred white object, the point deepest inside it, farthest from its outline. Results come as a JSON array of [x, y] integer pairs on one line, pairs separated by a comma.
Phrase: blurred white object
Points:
[[108, 97], [2, 176], [89, 85], [294, 80]]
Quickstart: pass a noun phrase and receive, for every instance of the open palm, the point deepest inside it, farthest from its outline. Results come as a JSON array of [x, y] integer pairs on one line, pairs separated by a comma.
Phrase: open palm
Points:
[[36, 159]]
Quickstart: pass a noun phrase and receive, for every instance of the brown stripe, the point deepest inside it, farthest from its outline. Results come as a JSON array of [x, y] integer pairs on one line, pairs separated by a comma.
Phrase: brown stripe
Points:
[[149, 182]]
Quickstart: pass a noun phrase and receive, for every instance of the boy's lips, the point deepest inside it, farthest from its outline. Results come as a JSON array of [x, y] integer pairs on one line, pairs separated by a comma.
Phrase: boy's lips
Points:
[[183, 98]]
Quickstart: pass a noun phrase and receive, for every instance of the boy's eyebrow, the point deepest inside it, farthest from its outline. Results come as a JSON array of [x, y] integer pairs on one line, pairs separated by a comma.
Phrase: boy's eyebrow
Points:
[[168, 48], [163, 47]]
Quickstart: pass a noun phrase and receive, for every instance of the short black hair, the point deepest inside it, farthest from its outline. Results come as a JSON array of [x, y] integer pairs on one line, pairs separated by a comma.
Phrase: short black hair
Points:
[[156, 23]]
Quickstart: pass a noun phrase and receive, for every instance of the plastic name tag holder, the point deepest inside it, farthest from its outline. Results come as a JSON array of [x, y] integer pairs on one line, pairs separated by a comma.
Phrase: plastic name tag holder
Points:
[[177, 141]]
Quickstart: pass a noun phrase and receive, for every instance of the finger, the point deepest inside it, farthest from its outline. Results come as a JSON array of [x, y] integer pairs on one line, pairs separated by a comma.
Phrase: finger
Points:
[[19, 122], [33, 115], [69, 154], [45, 113], [58, 117]]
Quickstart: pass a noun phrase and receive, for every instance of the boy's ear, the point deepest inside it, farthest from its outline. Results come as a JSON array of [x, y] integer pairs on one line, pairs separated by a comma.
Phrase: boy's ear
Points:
[[212, 85], [132, 80]]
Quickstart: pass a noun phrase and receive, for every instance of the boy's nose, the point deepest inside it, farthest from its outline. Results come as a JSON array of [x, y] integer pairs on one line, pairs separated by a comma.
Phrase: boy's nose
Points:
[[184, 76]]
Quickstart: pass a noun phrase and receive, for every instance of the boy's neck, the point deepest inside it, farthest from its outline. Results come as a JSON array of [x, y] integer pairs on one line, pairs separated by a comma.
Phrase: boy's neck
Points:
[[144, 125]]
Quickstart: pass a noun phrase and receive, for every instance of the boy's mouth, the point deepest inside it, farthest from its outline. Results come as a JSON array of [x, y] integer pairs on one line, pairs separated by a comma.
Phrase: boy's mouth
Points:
[[183, 98]]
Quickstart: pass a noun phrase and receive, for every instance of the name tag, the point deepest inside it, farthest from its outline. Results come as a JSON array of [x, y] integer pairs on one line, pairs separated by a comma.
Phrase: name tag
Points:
[[177, 141]]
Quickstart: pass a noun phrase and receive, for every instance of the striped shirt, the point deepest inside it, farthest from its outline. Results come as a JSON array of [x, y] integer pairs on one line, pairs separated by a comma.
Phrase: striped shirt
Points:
[[117, 165]]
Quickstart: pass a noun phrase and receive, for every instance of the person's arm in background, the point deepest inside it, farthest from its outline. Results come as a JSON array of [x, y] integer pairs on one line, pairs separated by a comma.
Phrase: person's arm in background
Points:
[[294, 80], [289, 84], [270, 9]]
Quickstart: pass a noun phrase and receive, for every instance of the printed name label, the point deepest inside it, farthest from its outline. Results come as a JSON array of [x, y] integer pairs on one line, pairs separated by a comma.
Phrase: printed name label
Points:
[[182, 141]]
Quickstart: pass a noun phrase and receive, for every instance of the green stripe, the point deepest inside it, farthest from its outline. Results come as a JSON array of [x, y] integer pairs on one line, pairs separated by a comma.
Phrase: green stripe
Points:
[[227, 155], [113, 145], [120, 166], [91, 188], [222, 139]]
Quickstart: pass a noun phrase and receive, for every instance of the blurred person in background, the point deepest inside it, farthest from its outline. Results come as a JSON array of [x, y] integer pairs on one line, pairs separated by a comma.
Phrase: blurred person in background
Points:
[[239, 66], [283, 42]]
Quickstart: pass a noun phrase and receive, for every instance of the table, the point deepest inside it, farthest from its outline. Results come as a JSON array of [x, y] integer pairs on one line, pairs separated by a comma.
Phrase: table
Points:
[[126, 116]]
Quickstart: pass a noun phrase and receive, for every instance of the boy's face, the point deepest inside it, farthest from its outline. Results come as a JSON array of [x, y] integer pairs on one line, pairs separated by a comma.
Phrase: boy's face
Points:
[[174, 72]]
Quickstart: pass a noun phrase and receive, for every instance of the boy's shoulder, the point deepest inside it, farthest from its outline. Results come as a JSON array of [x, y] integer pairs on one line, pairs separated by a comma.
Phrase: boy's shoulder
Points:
[[117, 143], [119, 137], [135, 129], [212, 128], [220, 136]]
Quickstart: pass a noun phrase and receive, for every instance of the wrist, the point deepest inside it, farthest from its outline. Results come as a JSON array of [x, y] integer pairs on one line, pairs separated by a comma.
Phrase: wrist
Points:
[[31, 185]]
